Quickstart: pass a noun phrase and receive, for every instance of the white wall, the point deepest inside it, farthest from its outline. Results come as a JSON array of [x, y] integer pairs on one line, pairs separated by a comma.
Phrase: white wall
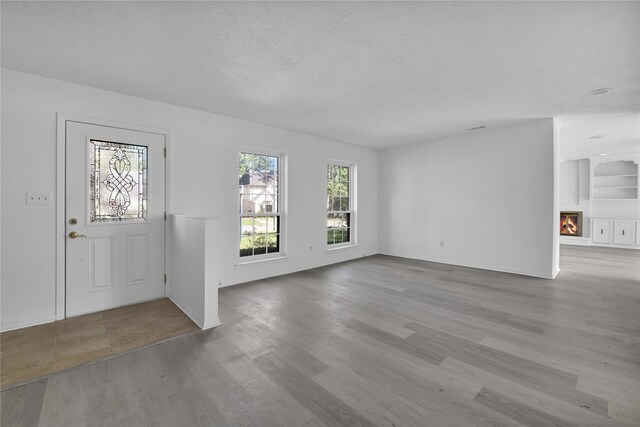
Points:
[[574, 190], [555, 223], [615, 208], [203, 180], [569, 183], [194, 254], [488, 195]]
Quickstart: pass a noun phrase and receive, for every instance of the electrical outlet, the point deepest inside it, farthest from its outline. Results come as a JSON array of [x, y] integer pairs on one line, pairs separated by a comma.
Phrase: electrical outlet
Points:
[[38, 198], [310, 248]]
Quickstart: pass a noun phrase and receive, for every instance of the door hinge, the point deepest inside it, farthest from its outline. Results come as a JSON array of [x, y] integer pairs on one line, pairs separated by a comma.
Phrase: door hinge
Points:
[[165, 151], [165, 278], [165, 215]]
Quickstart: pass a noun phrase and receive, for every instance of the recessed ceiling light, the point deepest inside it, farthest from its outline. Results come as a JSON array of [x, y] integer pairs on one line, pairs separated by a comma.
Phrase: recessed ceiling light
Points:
[[600, 91], [477, 128], [597, 137], [604, 154]]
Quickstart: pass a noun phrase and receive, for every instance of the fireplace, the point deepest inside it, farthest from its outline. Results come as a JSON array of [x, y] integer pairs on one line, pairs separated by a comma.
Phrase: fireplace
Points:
[[571, 224]]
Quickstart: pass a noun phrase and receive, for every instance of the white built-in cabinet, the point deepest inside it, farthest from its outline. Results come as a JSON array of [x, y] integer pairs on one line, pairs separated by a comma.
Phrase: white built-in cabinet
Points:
[[615, 190], [611, 207], [623, 232], [601, 232], [615, 232]]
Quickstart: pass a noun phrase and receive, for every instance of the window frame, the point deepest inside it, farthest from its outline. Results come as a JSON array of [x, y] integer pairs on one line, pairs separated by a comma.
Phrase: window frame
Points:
[[352, 205], [280, 201]]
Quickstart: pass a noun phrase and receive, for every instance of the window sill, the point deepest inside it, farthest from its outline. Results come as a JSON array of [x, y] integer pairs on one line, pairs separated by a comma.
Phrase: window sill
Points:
[[256, 262], [339, 248]]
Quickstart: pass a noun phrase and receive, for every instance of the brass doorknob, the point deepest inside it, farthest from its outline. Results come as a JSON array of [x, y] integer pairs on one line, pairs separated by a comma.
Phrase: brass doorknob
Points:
[[75, 235]]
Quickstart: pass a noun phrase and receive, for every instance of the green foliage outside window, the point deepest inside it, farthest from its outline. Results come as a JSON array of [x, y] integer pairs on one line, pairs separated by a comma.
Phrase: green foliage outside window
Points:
[[338, 204], [259, 212]]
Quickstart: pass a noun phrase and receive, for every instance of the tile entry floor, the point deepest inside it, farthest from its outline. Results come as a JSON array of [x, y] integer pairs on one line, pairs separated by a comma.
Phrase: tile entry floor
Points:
[[29, 353]]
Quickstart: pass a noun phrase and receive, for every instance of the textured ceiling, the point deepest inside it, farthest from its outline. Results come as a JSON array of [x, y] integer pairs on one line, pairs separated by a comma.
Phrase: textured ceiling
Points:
[[372, 73], [615, 134]]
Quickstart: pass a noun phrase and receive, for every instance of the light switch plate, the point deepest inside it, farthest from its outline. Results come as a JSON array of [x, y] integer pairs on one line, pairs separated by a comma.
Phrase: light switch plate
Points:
[[38, 198]]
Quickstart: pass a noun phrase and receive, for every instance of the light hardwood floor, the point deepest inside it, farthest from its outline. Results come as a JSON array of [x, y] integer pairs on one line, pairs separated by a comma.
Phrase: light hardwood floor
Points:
[[380, 341]]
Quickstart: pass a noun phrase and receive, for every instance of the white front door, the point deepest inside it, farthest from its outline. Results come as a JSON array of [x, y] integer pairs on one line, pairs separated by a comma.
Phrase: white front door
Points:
[[115, 228]]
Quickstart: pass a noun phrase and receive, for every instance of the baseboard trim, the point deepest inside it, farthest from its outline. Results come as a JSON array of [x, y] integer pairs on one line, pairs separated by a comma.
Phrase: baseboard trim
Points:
[[10, 326], [597, 245], [614, 246], [575, 241], [550, 276], [212, 325], [286, 271]]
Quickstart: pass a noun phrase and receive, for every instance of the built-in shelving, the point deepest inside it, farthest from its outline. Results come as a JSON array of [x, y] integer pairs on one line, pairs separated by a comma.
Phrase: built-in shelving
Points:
[[615, 180], [608, 196]]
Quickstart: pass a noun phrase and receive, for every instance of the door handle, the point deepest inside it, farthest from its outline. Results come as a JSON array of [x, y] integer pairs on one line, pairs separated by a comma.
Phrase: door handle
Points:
[[75, 235], [623, 232]]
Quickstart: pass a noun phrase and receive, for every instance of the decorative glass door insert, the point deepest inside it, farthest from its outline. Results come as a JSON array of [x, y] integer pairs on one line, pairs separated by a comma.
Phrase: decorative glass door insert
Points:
[[117, 182]]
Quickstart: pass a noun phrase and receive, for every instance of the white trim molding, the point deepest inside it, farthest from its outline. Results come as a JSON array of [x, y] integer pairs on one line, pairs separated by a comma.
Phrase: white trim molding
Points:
[[60, 197]]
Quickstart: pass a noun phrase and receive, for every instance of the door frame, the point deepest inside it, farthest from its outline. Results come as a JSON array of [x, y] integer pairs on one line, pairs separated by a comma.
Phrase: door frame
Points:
[[61, 194]]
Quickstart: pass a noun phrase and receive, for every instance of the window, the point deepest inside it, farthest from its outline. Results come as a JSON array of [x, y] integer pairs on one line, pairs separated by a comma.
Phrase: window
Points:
[[339, 204], [260, 208]]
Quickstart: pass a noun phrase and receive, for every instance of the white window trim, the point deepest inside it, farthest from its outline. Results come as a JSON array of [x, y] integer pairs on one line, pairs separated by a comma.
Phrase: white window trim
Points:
[[340, 246], [352, 204], [261, 261], [282, 207]]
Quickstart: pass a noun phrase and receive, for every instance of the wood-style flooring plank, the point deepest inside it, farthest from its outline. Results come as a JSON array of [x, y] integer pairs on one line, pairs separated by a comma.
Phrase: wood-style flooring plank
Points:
[[378, 341], [326, 406], [194, 408], [522, 394], [526, 414], [532, 374], [22, 406], [283, 407]]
